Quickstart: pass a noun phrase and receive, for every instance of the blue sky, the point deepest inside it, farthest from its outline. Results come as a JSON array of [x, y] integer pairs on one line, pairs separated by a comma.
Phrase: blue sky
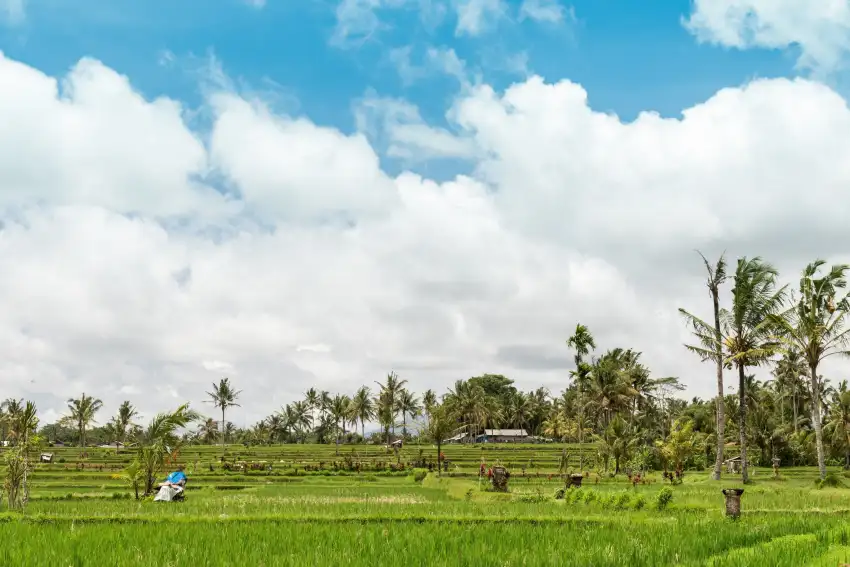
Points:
[[630, 56]]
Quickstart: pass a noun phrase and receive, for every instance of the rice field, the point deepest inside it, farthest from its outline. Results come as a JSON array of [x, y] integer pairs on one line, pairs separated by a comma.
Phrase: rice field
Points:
[[314, 508]]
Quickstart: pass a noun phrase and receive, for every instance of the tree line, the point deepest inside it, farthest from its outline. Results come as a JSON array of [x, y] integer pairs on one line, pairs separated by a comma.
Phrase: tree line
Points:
[[612, 401]]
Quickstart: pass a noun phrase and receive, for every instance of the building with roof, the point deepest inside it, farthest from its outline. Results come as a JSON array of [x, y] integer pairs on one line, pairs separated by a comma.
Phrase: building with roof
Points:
[[503, 436]]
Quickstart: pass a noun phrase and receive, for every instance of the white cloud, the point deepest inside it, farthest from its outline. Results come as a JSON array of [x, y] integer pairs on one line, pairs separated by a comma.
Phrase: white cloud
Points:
[[125, 271], [402, 133], [474, 17], [357, 21], [12, 11], [821, 29], [551, 11], [436, 60]]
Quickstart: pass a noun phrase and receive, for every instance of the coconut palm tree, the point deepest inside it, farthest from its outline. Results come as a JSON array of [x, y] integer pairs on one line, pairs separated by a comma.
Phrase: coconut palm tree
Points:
[[208, 431], [788, 373], [122, 422], [339, 414], [440, 426], [582, 343], [748, 331], [391, 390], [224, 396], [363, 408], [816, 326], [716, 277], [837, 427], [10, 410], [311, 398], [81, 414], [407, 404]]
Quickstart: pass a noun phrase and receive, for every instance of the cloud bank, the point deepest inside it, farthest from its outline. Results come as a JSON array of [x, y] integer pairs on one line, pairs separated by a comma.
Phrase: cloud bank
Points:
[[143, 259]]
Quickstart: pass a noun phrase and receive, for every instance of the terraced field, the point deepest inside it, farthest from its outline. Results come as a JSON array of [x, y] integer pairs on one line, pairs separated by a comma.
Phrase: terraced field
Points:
[[307, 510]]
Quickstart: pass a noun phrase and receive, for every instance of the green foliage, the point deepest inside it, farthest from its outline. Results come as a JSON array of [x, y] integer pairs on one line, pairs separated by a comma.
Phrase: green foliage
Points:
[[663, 498], [419, 474]]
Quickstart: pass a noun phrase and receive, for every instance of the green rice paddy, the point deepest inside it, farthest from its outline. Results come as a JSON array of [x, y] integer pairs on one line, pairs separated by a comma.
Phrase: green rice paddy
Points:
[[309, 511]]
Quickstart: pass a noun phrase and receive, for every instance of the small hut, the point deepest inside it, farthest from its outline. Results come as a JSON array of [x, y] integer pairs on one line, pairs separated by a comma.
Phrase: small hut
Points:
[[46, 458], [733, 465]]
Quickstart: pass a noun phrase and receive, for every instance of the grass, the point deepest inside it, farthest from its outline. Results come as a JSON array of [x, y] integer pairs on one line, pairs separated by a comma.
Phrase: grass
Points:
[[81, 516]]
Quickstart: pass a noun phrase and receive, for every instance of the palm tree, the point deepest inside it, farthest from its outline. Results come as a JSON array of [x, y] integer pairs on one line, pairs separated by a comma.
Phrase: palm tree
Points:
[[716, 277], [81, 414], [816, 327], [748, 331], [407, 404], [160, 439], [391, 389], [123, 421], [224, 396], [17, 461], [789, 369], [440, 426], [11, 409], [339, 413], [838, 424], [312, 399], [208, 431], [617, 441], [582, 343], [363, 408]]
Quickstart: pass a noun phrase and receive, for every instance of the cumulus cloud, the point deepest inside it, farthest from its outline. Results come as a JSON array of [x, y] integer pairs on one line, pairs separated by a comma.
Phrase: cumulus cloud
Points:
[[821, 29], [143, 259]]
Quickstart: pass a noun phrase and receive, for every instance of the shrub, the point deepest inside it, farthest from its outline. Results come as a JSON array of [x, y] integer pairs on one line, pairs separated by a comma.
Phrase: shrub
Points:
[[590, 496], [832, 480], [419, 474], [621, 502], [663, 498], [559, 493], [639, 502]]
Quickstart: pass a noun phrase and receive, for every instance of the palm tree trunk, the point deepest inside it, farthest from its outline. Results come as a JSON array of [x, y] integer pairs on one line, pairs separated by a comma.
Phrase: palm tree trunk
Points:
[[794, 407], [363, 429], [439, 464], [223, 431], [721, 410], [816, 420], [742, 421]]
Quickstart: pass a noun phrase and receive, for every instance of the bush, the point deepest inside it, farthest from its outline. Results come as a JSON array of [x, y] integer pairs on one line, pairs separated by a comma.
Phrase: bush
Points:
[[559, 493], [663, 498], [419, 474], [621, 502], [832, 480], [639, 502]]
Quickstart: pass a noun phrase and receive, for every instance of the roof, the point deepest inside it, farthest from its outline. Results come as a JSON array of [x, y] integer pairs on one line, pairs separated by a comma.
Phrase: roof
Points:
[[506, 432], [457, 437], [738, 458]]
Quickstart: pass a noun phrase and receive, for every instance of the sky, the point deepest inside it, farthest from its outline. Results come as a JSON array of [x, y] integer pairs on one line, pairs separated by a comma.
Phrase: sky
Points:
[[314, 193]]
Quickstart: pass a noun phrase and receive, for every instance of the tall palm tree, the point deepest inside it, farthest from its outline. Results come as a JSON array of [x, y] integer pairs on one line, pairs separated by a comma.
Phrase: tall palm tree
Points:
[[363, 408], [208, 431], [407, 404], [224, 396], [582, 343], [748, 331], [312, 399], [816, 326], [81, 413], [391, 390], [788, 372], [339, 413], [716, 277], [123, 421], [837, 426]]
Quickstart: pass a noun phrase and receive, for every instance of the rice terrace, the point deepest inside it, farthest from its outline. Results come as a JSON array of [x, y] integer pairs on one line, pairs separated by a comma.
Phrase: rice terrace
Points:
[[424, 283]]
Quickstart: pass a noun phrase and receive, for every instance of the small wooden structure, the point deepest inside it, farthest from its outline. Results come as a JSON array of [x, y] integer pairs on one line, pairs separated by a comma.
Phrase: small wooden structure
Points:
[[733, 501], [46, 458], [733, 465], [499, 478]]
